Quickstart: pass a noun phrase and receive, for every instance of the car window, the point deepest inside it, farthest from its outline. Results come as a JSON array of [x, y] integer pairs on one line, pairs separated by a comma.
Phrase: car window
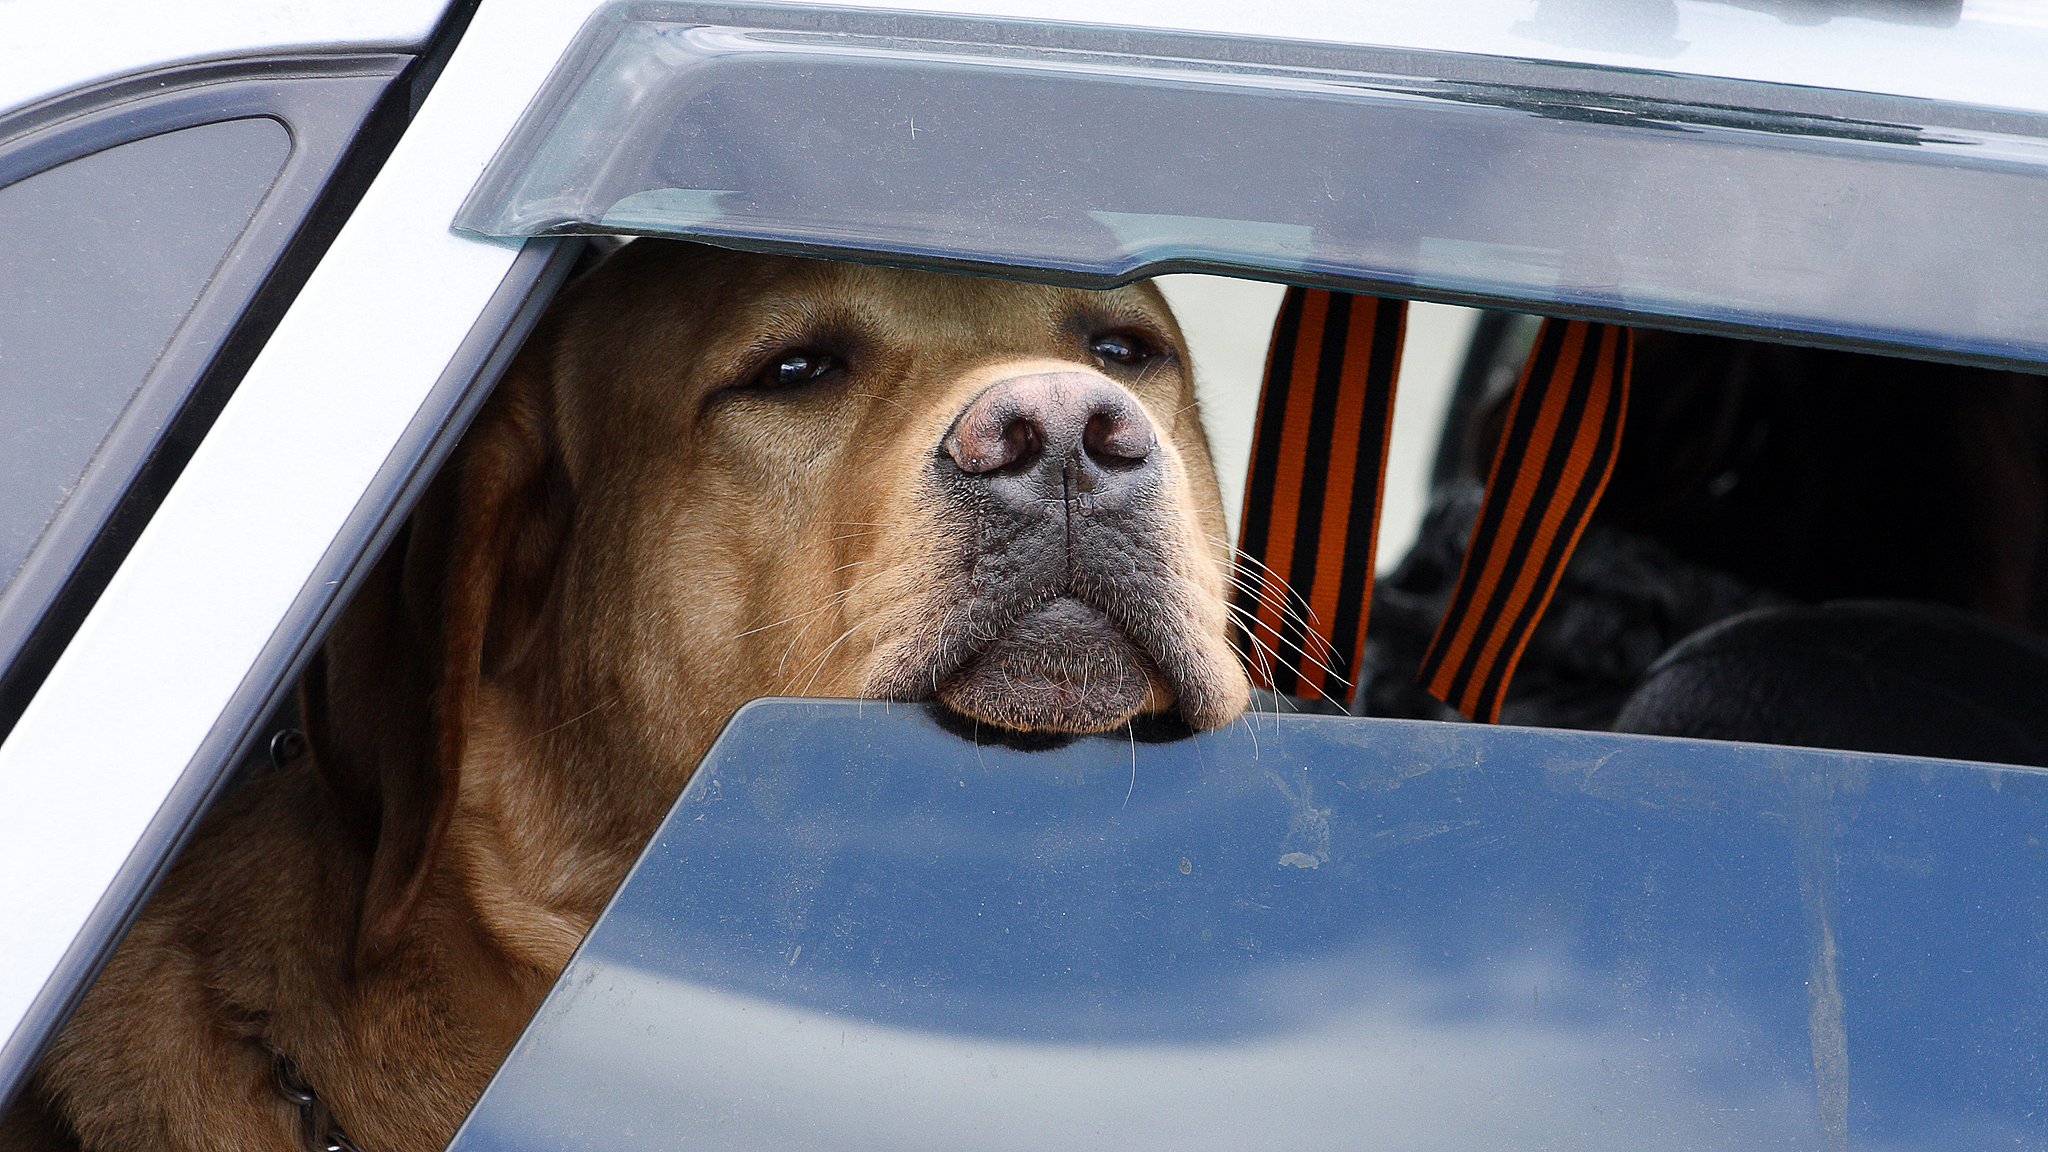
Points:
[[106, 256], [1300, 933], [1556, 190], [720, 139], [150, 229]]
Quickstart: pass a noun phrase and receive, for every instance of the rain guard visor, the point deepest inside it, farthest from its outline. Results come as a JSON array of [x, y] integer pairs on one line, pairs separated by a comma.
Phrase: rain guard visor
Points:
[[1092, 155]]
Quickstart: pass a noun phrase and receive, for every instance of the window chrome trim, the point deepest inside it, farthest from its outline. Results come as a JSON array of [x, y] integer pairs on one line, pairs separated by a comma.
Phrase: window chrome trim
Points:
[[167, 672]]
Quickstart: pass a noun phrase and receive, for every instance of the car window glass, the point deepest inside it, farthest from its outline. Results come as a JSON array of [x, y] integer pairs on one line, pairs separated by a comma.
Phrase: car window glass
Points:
[[104, 258], [859, 931]]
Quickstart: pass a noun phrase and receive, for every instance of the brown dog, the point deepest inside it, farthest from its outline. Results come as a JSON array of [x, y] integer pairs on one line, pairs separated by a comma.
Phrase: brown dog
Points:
[[709, 477]]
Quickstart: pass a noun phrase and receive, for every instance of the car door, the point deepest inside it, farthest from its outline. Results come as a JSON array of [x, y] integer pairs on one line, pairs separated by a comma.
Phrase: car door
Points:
[[194, 208], [308, 465]]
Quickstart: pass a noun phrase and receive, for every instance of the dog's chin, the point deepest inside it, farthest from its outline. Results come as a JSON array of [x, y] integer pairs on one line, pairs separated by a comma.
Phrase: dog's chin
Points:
[[1065, 667]]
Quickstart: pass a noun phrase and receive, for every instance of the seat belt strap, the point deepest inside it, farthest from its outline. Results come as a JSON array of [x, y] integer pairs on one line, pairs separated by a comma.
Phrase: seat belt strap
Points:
[[1303, 580], [1556, 451]]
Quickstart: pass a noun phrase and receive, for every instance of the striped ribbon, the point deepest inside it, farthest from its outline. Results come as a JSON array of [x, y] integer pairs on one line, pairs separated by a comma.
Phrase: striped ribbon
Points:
[[1312, 493], [1556, 451]]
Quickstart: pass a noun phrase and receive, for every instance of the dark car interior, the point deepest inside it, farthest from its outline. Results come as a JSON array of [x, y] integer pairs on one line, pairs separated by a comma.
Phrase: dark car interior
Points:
[[1797, 546]]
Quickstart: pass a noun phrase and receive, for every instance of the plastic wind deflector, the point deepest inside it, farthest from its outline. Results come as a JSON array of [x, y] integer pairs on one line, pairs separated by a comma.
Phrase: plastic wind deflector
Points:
[[858, 930], [1092, 154]]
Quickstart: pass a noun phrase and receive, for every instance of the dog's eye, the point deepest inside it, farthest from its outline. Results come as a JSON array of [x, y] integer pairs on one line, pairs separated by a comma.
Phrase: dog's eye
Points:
[[793, 368], [1121, 348]]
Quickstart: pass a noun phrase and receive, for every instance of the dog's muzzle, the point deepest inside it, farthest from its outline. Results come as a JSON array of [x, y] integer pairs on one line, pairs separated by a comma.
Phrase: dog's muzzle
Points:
[[1055, 483]]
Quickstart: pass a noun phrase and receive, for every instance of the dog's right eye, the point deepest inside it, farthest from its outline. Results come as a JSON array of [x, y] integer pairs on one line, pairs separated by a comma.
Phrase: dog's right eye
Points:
[[1120, 348], [796, 368]]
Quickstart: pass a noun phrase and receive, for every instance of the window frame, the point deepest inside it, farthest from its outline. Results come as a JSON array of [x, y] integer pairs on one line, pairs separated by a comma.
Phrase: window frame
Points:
[[208, 617], [325, 104]]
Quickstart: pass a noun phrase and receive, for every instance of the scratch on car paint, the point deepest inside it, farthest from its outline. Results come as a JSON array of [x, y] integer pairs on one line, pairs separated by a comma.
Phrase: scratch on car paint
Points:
[[1830, 1037], [1414, 832], [1308, 827], [1826, 1020], [1597, 765]]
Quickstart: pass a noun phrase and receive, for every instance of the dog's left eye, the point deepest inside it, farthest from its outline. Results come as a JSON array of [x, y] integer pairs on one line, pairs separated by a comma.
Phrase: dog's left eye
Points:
[[1121, 348], [799, 367]]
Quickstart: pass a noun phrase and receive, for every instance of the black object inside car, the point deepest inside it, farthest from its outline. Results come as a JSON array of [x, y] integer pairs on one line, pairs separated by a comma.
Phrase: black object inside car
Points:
[[1871, 676], [1753, 476]]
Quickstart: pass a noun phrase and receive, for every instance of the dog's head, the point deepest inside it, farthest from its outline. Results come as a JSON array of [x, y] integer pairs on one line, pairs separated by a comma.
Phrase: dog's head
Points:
[[713, 476]]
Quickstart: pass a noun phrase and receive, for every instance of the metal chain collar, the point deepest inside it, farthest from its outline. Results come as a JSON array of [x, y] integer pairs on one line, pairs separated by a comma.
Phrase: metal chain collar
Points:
[[318, 1130]]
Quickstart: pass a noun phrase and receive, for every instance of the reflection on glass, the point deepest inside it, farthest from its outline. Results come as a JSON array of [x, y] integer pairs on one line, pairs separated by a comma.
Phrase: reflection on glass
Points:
[[858, 930], [101, 260]]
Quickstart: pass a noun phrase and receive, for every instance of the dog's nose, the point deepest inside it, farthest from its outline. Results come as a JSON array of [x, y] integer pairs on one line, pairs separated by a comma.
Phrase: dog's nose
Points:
[[1060, 432]]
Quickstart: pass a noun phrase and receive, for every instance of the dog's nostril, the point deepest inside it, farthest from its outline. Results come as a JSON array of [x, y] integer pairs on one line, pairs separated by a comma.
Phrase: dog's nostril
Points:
[[1051, 423], [1023, 443], [1118, 439], [984, 444]]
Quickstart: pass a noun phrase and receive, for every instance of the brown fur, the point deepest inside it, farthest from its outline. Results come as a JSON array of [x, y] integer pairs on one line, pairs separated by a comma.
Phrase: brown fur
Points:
[[623, 550]]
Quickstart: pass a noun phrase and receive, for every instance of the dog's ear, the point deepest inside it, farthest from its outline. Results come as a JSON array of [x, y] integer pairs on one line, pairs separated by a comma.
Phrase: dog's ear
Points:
[[388, 699]]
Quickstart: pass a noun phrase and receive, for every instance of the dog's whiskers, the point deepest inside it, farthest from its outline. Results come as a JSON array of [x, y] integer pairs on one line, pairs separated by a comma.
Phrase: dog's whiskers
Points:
[[1267, 575], [1274, 593], [583, 715], [1326, 669], [1250, 629], [784, 620], [838, 600], [817, 665], [1130, 730], [1279, 604], [1260, 655]]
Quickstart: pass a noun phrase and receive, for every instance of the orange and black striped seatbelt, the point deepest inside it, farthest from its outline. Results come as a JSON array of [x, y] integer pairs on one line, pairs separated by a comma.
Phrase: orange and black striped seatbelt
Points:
[[1556, 451], [1312, 499], [1312, 492]]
